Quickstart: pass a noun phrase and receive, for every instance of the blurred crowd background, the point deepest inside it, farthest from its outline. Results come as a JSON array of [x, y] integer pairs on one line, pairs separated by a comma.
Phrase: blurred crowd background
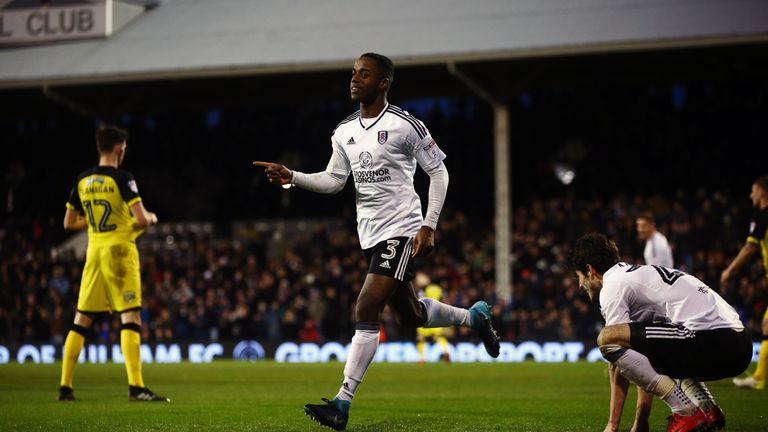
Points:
[[299, 281]]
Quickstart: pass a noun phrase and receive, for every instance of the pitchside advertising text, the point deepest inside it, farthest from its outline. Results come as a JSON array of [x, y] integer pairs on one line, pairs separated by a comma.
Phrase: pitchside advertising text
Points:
[[307, 352]]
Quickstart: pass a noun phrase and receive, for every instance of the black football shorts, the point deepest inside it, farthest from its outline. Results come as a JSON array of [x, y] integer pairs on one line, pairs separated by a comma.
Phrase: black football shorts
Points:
[[392, 258], [703, 355]]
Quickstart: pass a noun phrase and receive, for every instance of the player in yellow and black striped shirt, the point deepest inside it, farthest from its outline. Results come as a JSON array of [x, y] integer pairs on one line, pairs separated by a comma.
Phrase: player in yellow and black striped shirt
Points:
[[757, 240], [105, 199]]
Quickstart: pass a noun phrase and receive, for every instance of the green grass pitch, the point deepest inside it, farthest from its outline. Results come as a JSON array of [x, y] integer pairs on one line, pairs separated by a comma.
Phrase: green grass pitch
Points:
[[266, 396]]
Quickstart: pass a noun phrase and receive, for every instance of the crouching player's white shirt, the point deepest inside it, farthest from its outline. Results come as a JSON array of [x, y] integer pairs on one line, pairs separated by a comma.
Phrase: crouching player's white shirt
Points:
[[645, 293]]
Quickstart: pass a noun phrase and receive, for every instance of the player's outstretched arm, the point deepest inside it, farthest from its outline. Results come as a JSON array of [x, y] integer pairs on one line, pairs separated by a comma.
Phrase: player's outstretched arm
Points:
[[619, 387], [276, 173], [143, 217], [746, 251], [73, 221], [643, 411], [321, 182]]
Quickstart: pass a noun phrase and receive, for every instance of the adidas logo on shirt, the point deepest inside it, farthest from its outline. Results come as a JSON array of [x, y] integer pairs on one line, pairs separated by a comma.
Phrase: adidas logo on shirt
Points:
[[351, 141], [385, 265]]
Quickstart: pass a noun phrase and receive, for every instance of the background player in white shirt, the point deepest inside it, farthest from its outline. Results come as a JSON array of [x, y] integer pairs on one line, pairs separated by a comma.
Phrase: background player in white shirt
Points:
[[661, 325], [381, 145], [657, 250]]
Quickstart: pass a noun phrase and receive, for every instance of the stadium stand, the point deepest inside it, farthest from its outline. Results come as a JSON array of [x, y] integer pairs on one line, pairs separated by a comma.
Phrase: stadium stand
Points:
[[291, 281]]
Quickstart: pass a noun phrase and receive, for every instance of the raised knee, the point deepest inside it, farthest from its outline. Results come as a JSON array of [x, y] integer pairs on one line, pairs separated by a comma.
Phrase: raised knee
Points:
[[603, 338], [612, 352], [618, 334]]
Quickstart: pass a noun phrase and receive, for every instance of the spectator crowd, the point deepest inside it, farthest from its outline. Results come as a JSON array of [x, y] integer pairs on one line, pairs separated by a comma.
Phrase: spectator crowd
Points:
[[298, 280]]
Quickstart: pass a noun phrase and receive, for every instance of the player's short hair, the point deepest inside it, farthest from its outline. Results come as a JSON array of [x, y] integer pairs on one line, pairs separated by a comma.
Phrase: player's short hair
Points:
[[762, 183], [385, 64], [107, 137], [594, 249], [646, 215]]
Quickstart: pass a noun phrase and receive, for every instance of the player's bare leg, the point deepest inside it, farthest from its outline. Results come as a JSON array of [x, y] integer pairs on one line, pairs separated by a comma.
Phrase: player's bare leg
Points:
[[374, 295], [72, 347], [614, 343], [411, 311], [406, 307], [642, 411]]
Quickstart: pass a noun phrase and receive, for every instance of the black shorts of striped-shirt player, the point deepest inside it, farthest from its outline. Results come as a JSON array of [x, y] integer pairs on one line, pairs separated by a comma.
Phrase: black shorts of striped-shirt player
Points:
[[392, 257], [703, 355]]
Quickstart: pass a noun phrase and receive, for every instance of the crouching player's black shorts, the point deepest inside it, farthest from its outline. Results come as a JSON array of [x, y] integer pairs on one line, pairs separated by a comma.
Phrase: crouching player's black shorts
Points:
[[392, 258], [703, 355]]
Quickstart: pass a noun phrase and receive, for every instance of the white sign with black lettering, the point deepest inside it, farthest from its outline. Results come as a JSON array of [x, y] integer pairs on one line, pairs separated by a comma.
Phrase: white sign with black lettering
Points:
[[23, 22]]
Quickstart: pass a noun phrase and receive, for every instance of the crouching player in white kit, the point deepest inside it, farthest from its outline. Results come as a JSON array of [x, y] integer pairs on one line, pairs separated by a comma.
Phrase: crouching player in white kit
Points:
[[663, 325], [381, 145]]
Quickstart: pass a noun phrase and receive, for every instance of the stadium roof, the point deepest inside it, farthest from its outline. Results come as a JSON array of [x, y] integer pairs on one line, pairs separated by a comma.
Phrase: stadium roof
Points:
[[203, 38]]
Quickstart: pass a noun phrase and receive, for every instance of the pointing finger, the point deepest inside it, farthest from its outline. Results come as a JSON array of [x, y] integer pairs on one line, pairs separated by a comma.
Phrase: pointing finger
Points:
[[264, 164]]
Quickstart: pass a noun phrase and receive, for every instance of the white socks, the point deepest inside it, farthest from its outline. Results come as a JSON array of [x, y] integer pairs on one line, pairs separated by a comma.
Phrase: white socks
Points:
[[698, 393], [636, 367], [443, 315], [366, 341], [679, 402], [361, 353]]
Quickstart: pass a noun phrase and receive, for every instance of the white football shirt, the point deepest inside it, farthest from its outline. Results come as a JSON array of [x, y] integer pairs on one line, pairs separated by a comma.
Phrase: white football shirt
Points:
[[382, 154], [657, 251], [633, 293]]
